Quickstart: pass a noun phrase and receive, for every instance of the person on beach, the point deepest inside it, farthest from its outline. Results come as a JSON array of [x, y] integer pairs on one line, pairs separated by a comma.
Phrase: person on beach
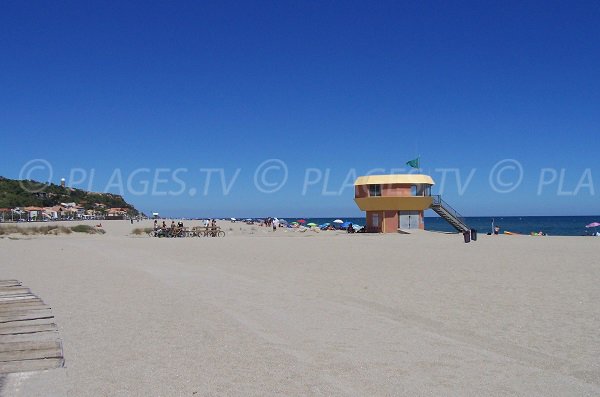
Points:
[[155, 224], [275, 224], [496, 230]]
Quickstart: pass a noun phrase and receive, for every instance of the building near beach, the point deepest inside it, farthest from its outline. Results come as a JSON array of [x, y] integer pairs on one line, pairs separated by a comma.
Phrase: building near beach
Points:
[[397, 202], [117, 213]]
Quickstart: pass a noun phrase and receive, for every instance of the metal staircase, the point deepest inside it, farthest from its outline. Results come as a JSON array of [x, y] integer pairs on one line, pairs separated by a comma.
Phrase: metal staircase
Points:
[[449, 214]]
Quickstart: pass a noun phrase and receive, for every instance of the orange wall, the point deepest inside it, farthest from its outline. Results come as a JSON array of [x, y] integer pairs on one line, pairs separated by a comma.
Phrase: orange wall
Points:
[[396, 190], [361, 191], [370, 227], [390, 222]]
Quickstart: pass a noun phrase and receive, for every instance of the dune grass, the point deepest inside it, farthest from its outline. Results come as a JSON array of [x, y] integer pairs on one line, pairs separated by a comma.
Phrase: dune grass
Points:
[[87, 229], [138, 231], [48, 230]]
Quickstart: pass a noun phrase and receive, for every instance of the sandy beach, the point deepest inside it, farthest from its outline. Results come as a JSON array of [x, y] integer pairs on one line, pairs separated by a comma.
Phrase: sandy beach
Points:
[[260, 313]]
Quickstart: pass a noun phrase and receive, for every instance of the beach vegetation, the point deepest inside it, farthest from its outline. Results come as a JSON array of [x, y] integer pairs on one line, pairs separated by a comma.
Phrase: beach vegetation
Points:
[[48, 230], [138, 231], [87, 229]]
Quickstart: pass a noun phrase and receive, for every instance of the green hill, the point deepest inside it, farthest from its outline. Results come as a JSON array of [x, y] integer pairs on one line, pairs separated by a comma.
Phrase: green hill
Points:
[[15, 193]]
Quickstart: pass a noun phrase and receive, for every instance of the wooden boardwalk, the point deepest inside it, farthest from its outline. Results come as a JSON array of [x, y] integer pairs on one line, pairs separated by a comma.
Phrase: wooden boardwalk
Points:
[[29, 339]]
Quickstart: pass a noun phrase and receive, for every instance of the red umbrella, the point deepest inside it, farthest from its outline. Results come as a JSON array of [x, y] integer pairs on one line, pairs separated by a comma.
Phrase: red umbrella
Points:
[[301, 221]]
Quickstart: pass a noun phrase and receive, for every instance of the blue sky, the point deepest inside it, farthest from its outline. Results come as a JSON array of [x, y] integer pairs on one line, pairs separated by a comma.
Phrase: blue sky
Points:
[[342, 87]]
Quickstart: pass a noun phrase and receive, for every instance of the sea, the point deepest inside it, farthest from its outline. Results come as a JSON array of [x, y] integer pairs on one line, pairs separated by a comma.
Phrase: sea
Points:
[[550, 225]]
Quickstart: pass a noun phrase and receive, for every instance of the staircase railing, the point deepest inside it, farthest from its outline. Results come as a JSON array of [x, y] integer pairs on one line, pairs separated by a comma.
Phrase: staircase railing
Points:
[[438, 202]]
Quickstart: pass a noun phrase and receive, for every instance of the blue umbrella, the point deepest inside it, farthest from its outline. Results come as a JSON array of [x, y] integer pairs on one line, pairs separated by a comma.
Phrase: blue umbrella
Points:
[[345, 225]]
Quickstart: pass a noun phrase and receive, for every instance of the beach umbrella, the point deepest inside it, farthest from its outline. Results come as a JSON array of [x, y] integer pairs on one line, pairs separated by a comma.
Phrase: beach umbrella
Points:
[[338, 221], [594, 225], [345, 225], [301, 221], [311, 224]]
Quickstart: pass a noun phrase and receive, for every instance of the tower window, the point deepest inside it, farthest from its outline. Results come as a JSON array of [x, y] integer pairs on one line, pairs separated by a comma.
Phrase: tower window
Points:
[[374, 190]]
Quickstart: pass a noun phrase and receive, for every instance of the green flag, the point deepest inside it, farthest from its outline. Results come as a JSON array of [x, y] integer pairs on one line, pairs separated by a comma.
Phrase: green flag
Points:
[[413, 163]]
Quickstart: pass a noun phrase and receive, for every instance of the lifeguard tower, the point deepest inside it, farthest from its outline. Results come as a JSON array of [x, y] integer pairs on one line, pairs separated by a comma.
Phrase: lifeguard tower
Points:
[[397, 202]]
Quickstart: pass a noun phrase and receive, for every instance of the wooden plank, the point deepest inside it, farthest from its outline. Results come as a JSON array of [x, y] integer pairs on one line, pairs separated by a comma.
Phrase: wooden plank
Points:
[[24, 310], [15, 294], [28, 336], [19, 318], [9, 283], [39, 321], [30, 345], [27, 329], [12, 287], [31, 365], [28, 315], [16, 298], [5, 310], [30, 354], [39, 336], [14, 290], [37, 301]]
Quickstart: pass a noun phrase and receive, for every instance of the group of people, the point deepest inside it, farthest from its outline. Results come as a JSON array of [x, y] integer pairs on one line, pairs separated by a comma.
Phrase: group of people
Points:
[[212, 223], [272, 222], [164, 225]]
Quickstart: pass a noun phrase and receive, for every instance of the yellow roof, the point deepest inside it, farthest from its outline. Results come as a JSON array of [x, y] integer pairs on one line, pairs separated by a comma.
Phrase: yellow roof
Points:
[[405, 179]]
